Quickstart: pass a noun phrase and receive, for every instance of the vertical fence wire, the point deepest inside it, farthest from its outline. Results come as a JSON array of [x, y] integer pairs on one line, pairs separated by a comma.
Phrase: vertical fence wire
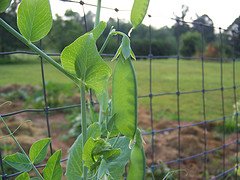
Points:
[[46, 107], [178, 102], [84, 16], [151, 94], [204, 104], [178, 92], [235, 101], [222, 102]]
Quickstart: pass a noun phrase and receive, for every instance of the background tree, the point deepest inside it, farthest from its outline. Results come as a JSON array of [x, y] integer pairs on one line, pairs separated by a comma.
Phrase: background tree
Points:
[[8, 42], [190, 44], [204, 24], [181, 27], [234, 31]]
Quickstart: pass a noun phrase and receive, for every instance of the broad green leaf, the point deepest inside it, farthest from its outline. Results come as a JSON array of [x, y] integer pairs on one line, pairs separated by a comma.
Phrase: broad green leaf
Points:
[[74, 163], [102, 170], [38, 150], [53, 169], [139, 11], [23, 176], [98, 30], [81, 58], [110, 154], [137, 165], [18, 161], [124, 97], [4, 5], [87, 152], [34, 19], [116, 167], [98, 148], [36, 178]]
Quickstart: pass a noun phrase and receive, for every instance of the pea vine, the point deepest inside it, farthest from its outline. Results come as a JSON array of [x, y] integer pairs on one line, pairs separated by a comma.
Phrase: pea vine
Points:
[[105, 148]]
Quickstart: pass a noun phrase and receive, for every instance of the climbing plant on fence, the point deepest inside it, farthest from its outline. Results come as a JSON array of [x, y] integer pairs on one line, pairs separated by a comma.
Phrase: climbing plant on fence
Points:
[[106, 147]]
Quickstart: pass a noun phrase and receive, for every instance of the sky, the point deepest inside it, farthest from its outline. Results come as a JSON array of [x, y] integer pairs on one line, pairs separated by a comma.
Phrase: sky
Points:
[[222, 12]]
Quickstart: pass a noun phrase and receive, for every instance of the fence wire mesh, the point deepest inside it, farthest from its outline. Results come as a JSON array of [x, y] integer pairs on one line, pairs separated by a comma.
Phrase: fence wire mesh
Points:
[[154, 135]]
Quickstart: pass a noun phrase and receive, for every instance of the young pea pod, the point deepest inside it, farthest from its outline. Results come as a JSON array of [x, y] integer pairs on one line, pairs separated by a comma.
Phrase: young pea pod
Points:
[[137, 165], [124, 97]]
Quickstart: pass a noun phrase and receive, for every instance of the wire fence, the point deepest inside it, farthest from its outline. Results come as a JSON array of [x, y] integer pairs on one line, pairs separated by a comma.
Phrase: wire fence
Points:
[[154, 136]]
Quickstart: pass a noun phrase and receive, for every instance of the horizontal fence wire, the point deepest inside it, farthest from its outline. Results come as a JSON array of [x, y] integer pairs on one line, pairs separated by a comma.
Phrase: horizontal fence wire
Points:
[[177, 93]]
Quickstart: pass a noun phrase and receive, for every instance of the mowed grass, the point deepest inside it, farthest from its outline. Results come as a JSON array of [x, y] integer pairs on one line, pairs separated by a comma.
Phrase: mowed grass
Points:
[[164, 80]]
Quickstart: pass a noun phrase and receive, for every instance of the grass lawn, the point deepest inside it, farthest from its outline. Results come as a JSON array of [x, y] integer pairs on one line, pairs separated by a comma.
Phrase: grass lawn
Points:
[[164, 80]]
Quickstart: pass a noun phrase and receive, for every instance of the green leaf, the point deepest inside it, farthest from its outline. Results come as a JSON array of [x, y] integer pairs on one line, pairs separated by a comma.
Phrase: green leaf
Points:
[[36, 178], [137, 165], [53, 169], [139, 11], [81, 58], [38, 150], [133, 55], [98, 30], [23, 176], [74, 163], [34, 19], [18, 161], [111, 126], [87, 152], [124, 97], [102, 170], [116, 167], [126, 48], [4, 5]]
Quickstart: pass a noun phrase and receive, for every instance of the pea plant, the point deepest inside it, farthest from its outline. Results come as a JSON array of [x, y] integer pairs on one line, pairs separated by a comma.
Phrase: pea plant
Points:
[[112, 143]]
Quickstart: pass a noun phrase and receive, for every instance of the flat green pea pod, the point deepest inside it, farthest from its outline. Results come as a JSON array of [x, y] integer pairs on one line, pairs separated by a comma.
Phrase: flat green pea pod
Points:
[[124, 97], [137, 167]]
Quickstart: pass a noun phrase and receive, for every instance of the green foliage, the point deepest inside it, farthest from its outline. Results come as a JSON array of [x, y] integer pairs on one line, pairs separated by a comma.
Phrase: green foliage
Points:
[[191, 44], [97, 152], [38, 150], [23, 176], [4, 5], [116, 167], [75, 164], [139, 11], [124, 97], [86, 63], [53, 169], [34, 19], [18, 161]]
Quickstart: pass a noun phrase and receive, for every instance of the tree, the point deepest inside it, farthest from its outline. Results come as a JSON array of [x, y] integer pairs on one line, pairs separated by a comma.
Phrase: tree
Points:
[[181, 27], [66, 29], [190, 43], [7, 41], [234, 31], [204, 24]]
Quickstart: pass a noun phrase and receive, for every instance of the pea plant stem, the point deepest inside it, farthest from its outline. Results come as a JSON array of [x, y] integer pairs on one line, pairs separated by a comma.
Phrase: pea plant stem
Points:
[[39, 52], [111, 33], [84, 124], [97, 20], [21, 149]]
